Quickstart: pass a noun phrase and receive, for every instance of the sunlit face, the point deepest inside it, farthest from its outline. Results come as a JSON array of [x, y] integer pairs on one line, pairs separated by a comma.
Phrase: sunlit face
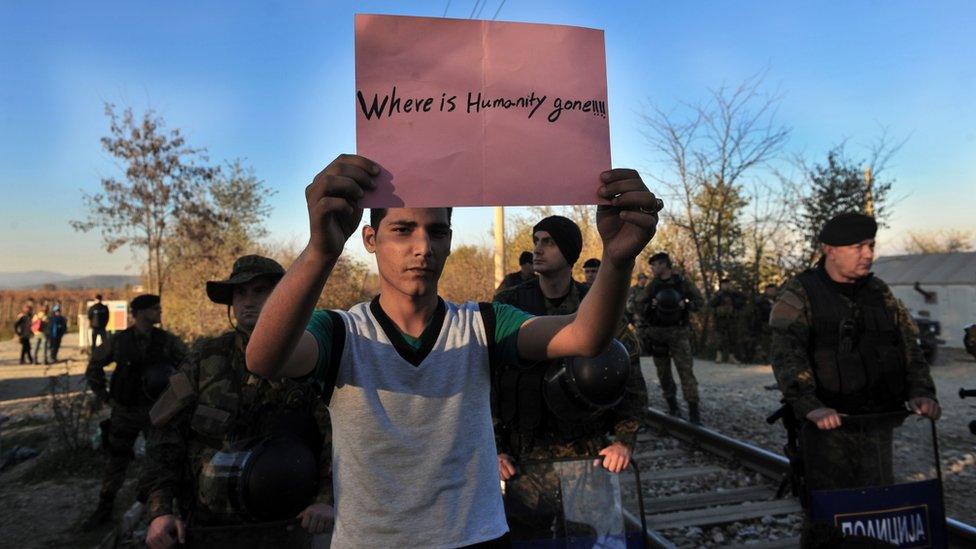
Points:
[[850, 262], [248, 300], [546, 257], [659, 267], [589, 274], [411, 246]]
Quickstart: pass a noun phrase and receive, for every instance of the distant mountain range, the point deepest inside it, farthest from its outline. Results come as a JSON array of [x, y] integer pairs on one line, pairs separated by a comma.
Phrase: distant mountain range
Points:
[[36, 279]]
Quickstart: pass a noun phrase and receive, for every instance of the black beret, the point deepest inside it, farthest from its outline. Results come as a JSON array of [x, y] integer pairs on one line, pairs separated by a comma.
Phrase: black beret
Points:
[[144, 301], [567, 235], [848, 228]]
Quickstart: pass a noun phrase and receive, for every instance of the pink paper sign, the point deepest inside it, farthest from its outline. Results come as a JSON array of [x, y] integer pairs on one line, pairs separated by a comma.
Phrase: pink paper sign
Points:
[[481, 113]]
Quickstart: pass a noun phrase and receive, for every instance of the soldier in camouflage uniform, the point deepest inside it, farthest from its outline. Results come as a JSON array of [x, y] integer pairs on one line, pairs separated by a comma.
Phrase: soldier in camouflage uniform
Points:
[[144, 357], [635, 313], [212, 404], [525, 429], [842, 344], [726, 306], [667, 333]]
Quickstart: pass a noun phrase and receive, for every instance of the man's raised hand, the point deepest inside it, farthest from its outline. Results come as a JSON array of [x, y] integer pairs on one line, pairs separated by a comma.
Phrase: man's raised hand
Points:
[[630, 221], [333, 201]]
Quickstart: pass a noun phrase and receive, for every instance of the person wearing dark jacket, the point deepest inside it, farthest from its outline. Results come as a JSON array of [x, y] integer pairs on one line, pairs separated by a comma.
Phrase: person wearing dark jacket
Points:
[[524, 274], [22, 327], [145, 357], [526, 432], [57, 326], [98, 321]]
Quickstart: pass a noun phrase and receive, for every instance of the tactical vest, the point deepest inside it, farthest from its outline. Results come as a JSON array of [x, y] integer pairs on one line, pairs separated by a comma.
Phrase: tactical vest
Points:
[[233, 406], [653, 316], [725, 305], [132, 366], [525, 420], [855, 347]]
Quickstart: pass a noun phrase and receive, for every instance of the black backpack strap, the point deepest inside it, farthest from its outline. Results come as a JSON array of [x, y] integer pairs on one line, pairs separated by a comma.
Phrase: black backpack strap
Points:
[[487, 311], [335, 355]]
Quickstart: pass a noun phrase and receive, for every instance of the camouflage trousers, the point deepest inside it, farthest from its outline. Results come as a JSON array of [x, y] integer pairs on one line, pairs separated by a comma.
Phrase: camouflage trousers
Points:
[[124, 426], [669, 343], [726, 336]]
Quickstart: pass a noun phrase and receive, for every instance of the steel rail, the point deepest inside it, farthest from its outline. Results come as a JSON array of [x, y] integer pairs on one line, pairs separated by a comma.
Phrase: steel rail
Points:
[[769, 464]]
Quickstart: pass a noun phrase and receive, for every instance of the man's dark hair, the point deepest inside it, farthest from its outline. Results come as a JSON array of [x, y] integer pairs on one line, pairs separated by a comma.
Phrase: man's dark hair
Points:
[[591, 263], [376, 215], [660, 256], [98, 297], [525, 257], [772, 286]]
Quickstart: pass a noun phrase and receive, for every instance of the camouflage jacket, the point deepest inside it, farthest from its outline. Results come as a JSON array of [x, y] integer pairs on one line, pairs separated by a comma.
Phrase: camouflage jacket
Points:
[[565, 440], [726, 303], [212, 402], [790, 322]]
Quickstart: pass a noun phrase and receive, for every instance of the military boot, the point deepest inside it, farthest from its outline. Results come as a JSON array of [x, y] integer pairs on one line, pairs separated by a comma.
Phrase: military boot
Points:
[[102, 514], [673, 409], [694, 414]]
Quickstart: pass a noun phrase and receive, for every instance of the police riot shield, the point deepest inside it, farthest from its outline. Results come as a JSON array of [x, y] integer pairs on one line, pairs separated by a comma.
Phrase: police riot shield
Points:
[[574, 503], [876, 476]]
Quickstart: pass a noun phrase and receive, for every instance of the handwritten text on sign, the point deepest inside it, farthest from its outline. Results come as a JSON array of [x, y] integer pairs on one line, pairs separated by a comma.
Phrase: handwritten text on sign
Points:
[[472, 113]]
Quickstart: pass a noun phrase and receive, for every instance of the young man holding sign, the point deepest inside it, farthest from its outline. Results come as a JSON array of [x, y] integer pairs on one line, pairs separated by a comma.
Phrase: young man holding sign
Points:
[[407, 375]]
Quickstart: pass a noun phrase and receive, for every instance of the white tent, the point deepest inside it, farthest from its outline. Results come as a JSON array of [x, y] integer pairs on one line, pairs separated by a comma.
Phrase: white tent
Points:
[[943, 285]]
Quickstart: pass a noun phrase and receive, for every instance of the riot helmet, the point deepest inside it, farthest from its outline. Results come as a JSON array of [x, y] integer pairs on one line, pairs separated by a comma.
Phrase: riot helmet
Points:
[[668, 305], [269, 478], [578, 389]]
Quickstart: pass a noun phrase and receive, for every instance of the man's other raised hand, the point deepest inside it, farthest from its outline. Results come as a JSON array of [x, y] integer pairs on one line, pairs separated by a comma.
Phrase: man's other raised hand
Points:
[[333, 201], [629, 222]]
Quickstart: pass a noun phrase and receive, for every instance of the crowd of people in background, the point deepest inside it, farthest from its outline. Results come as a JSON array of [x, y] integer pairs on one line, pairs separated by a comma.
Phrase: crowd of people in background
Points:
[[40, 332], [737, 330]]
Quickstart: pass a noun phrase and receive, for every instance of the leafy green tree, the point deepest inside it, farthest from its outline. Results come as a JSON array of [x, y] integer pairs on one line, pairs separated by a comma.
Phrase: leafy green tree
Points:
[[840, 185]]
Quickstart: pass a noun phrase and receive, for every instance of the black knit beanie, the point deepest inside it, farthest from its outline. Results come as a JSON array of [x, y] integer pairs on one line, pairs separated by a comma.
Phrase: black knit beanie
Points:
[[565, 233]]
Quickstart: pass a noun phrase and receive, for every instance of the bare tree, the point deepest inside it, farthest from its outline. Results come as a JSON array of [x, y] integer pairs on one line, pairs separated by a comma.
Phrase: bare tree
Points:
[[162, 182], [768, 240], [708, 150]]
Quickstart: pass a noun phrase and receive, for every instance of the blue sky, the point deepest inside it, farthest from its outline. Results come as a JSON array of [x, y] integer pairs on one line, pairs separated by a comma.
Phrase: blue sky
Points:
[[273, 83]]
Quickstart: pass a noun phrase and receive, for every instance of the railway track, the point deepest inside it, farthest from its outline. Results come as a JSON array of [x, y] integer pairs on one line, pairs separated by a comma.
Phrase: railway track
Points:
[[702, 488]]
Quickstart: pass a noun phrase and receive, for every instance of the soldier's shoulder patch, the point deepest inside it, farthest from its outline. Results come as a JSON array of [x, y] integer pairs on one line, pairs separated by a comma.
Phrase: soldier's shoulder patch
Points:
[[176, 397], [787, 309]]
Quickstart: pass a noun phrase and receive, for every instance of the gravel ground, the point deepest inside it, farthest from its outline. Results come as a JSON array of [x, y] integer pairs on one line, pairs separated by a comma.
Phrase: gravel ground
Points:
[[737, 533], [735, 402]]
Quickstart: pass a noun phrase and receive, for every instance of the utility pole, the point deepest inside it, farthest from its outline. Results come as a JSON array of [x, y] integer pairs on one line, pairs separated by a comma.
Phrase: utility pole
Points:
[[499, 245], [869, 200]]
